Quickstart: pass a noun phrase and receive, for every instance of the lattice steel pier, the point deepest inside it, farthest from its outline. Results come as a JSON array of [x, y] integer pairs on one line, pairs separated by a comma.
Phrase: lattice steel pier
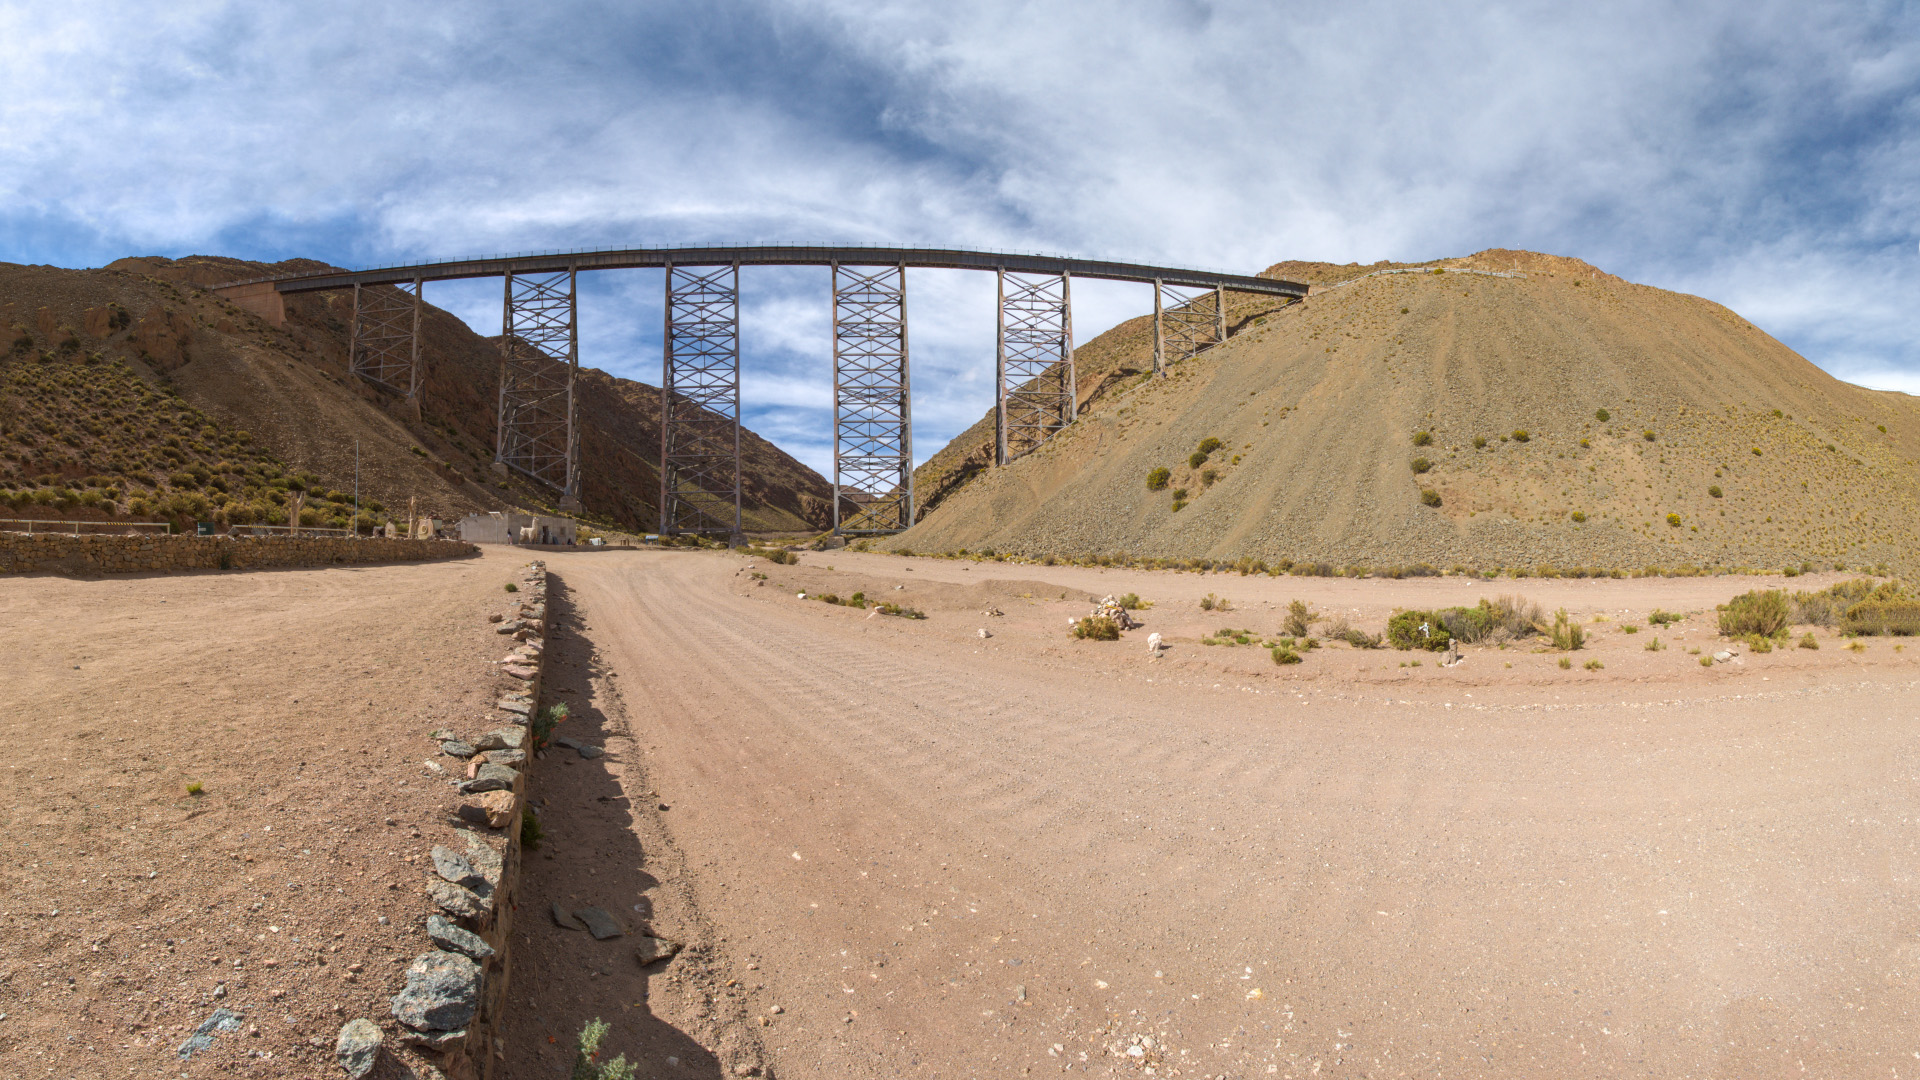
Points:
[[539, 360], [1191, 324], [872, 432], [1035, 378], [700, 402], [385, 349]]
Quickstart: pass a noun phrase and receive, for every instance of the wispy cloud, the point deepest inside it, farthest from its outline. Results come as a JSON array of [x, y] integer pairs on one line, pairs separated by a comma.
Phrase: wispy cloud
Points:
[[1766, 155]]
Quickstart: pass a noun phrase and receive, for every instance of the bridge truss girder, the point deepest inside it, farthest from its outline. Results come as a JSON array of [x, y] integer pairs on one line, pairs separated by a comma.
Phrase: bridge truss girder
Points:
[[700, 402], [385, 344], [872, 425], [1186, 322], [539, 364], [1034, 361]]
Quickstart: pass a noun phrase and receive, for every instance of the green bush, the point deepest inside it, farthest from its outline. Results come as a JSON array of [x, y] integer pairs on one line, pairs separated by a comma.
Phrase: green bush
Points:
[[1808, 641], [1470, 624], [897, 609], [1300, 618], [1097, 628], [1283, 655], [1196, 459], [1673, 520], [1423, 438], [1522, 435], [1579, 517], [1157, 479], [1663, 618], [1208, 445], [1762, 611], [1602, 415], [1429, 497], [1828, 606], [1648, 435], [782, 558], [1418, 630], [584, 1065], [1884, 617], [1479, 442], [1420, 465], [1132, 602], [1714, 490], [1565, 634], [1655, 645]]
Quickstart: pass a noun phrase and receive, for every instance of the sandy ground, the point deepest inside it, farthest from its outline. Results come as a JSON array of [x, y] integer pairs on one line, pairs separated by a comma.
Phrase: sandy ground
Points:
[[942, 855], [289, 890], [895, 848]]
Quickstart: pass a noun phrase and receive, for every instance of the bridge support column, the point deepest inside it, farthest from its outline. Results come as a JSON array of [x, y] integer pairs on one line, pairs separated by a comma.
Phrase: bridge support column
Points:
[[1034, 362], [385, 346], [872, 422], [1185, 322], [700, 402], [539, 362]]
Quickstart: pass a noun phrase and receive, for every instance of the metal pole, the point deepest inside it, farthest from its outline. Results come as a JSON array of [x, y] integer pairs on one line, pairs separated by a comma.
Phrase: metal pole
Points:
[[1000, 368], [1159, 337], [570, 497], [1220, 313], [666, 394], [906, 406], [356, 488], [413, 383], [353, 336], [506, 347], [834, 270], [1066, 346], [734, 540]]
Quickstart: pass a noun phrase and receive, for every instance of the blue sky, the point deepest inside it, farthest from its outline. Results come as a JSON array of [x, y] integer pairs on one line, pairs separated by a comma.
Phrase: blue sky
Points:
[[1766, 155]]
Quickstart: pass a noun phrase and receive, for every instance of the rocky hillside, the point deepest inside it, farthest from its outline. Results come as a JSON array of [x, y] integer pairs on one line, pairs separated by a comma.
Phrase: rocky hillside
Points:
[[1557, 416], [132, 390]]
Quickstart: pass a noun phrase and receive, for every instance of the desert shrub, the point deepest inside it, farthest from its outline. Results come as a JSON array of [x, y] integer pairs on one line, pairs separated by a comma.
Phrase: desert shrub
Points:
[[1209, 444], [1602, 415], [1663, 618], [1479, 442], [585, 1067], [1654, 645], [1157, 479], [1283, 655], [900, 610], [1420, 465], [1300, 618], [1762, 611], [1884, 617], [1097, 628], [1132, 602], [782, 558], [1808, 641], [1565, 634], [1418, 630], [1673, 520], [1048, 559], [1714, 490], [1211, 602], [1759, 643], [1429, 497], [1828, 606], [1196, 459], [1578, 517], [1208, 476], [1523, 435], [1593, 665], [1648, 435], [1756, 451], [1515, 616], [1470, 624], [1565, 663], [1423, 438]]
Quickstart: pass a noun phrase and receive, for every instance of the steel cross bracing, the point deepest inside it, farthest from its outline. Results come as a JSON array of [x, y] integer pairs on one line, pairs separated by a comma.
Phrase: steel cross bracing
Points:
[[700, 402], [1184, 324], [539, 359], [1034, 361], [872, 432], [386, 337]]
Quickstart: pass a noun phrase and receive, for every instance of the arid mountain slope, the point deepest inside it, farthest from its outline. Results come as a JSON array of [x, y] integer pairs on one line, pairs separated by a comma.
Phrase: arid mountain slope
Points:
[[1318, 407], [288, 389]]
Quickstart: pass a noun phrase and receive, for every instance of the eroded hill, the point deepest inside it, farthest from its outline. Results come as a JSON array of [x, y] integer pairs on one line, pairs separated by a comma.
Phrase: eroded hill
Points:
[[135, 383], [1570, 418]]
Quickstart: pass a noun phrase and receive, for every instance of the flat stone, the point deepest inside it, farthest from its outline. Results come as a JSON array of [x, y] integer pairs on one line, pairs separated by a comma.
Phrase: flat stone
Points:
[[358, 1047], [518, 672], [458, 900], [442, 1041], [564, 919], [566, 742], [510, 738], [493, 809], [486, 861], [524, 708], [222, 1020], [442, 734], [442, 994], [454, 866], [588, 750], [599, 923], [654, 949], [490, 777], [456, 748], [508, 627], [454, 938]]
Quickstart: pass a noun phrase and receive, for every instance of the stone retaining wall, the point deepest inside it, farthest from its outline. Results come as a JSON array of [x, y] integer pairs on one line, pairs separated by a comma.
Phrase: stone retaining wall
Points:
[[21, 553]]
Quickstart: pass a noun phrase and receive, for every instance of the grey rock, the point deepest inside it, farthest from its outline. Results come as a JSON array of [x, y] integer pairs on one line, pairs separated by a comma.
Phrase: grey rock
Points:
[[564, 919], [566, 742], [589, 751], [491, 777], [600, 923], [511, 758], [654, 949], [1722, 656], [453, 938], [442, 1041], [454, 866], [507, 627], [358, 1047], [222, 1020], [456, 748], [507, 739], [521, 707], [458, 901], [442, 993], [486, 861], [443, 733]]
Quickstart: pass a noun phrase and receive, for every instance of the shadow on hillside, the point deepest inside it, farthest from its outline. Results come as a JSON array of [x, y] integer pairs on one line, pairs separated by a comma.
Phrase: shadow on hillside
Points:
[[590, 856]]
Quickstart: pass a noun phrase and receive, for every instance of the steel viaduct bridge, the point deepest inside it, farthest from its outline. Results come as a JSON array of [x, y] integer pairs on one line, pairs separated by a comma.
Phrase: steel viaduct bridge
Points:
[[700, 368]]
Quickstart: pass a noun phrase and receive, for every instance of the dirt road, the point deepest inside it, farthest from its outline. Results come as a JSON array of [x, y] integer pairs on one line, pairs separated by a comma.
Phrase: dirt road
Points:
[[945, 855]]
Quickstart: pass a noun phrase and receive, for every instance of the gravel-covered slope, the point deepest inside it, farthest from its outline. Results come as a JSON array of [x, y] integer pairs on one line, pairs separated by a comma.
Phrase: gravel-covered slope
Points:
[[1318, 407]]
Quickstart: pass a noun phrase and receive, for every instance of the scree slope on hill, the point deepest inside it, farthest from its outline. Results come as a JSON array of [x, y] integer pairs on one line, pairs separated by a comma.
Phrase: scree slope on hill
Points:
[[1571, 419], [137, 385]]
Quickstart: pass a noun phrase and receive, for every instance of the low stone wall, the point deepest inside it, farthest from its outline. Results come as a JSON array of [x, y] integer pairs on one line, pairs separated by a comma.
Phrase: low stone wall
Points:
[[21, 553]]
